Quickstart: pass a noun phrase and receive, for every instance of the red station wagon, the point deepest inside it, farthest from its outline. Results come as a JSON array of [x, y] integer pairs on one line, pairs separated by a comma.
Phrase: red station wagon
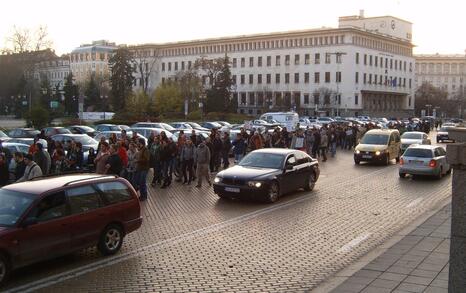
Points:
[[53, 216]]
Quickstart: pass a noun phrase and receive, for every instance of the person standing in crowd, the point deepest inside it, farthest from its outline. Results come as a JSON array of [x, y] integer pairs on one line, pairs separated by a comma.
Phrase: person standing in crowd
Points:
[[113, 139], [316, 145], [187, 161], [42, 158], [277, 141], [131, 166], [332, 140], [226, 148], [114, 164], [7, 153], [4, 173], [33, 147], [239, 148], [31, 171], [90, 160], [255, 142], [298, 141], [164, 160], [59, 165], [171, 153], [309, 139], [122, 153], [155, 161], [217, 154], [142, 168], [20, 165], [323, 144], [210, 146], [193, 138], [202, 159], [285, 135], [102, 140], [102, 157]]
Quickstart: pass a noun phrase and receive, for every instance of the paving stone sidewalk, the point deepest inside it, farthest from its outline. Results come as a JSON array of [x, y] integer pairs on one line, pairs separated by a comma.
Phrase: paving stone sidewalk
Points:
[[417, 263]]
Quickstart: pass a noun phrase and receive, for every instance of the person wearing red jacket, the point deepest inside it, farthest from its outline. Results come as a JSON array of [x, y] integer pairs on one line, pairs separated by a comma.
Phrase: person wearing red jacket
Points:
[[122, 154]]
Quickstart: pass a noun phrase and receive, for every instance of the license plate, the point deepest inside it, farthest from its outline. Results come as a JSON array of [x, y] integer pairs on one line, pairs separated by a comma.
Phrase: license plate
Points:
[[366, 156], [230, 189]]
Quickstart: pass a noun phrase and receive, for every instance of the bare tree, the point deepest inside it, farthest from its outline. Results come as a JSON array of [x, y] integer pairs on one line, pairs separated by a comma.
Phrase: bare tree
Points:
[[22, 40], [42, 40], [145, 64]]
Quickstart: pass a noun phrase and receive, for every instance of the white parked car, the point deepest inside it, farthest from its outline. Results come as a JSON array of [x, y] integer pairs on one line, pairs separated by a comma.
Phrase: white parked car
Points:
[[413, 137]]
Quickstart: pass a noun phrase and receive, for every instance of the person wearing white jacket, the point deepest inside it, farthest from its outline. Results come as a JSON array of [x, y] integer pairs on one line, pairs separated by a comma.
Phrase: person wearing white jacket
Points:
[[32, 169]]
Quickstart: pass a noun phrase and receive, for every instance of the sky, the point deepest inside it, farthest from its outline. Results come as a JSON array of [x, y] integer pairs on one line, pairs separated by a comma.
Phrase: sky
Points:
[[438, 26]]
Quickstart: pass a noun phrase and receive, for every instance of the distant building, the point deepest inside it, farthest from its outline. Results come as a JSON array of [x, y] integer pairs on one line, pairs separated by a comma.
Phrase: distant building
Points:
[[365, 66], [91, 58], [55, 69], [443, 71]]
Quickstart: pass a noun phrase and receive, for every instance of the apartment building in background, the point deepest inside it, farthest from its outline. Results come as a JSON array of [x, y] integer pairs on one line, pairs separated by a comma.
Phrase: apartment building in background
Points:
[[365, 66], [90, 59], [443, 71]]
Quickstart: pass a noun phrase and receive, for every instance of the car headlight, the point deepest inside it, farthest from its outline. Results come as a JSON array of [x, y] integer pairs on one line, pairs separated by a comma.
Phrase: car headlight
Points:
[[256, 184], [358, 152], [217, 179], [377, 153]]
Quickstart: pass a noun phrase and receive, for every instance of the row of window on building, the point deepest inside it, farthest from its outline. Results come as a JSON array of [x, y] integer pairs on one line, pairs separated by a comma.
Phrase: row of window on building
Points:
[[296, 78], [368, 60], [288, 99], [441, 68], [94, 56], [392, 81], [254, 45]]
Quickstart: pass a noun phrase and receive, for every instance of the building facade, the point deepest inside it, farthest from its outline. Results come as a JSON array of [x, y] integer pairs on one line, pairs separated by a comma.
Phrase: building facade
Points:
[[91, 59], [443, 71], [354, 69], [55, 70]]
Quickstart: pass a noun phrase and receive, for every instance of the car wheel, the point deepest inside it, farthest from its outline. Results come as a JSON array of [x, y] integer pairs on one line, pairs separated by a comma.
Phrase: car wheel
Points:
[[440, 174], [273, 193], [449, 171], [387, 159], [357, 162], [111, 240], [5, 269], [402, 175], [221, 195], [311, 182]]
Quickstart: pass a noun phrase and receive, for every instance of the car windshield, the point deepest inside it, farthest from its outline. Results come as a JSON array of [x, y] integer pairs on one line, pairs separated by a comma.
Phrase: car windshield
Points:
[[85, 140], [12, 206], [262, 160], [63, 131], [167, 126], [445, 129], [2, 134], [418, 153], [32, 132], [86, 128], [379, 139], [412, 135], [194, 124]]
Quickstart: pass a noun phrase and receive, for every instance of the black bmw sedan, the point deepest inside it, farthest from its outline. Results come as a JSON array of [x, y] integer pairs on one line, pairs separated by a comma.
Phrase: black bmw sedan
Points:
[[267, 174]]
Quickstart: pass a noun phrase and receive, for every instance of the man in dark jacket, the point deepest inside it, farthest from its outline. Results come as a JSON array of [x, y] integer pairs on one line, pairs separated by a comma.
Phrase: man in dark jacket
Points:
[[142, 168], [20, 165], [226, 147], [114, 164], [42, 158], [218, 147], [239, 147]]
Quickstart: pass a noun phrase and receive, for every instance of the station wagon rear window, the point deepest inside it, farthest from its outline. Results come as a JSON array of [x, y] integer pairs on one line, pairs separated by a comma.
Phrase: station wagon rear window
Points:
[[114, 192], [418, 153]]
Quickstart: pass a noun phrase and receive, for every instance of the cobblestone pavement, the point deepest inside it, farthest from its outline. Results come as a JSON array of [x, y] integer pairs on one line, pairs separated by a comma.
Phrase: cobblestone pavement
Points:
[[191, 241]]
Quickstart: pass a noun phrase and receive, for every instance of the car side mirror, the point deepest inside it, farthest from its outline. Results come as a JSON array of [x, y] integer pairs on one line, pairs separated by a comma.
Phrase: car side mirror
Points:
[[29, 221], [288, 167]]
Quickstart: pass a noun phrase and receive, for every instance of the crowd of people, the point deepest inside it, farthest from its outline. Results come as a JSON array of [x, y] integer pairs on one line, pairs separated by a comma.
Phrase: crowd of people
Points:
[[191, 158]]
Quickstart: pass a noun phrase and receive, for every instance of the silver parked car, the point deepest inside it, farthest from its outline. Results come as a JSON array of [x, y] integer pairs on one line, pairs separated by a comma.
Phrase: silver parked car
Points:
[[424, 160], [413, 137]]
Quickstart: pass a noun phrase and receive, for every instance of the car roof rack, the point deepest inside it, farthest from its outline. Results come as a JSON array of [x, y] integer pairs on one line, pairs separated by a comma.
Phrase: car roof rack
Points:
[[84, 179]]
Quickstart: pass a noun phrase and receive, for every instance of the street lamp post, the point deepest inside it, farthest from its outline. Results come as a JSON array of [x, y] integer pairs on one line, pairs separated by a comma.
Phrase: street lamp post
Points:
[[428, 106], [337, 94]]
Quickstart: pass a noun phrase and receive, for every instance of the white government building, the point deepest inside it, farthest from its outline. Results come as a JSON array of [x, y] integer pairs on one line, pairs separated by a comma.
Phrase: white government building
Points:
[[363, 67], [447, 72]]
